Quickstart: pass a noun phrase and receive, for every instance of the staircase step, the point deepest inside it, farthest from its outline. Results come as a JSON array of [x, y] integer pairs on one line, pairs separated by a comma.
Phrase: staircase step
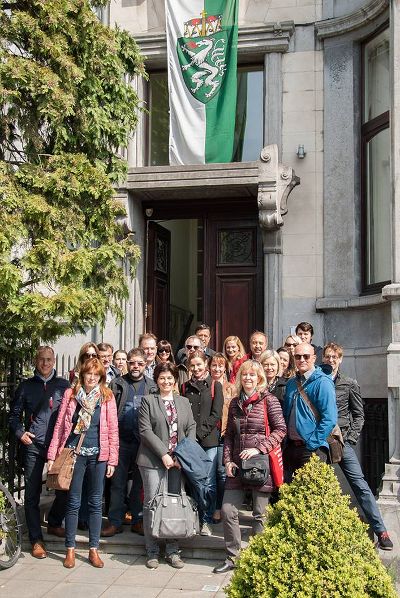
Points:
[[199, 547]]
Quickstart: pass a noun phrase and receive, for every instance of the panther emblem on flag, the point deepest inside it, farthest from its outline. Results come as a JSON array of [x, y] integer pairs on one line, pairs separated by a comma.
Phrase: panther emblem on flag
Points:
[[202, 56]]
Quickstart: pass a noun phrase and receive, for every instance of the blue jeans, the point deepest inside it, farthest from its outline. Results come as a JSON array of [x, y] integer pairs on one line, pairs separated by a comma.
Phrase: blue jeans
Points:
[[221, 477], [95, 472], [212, 453], [126, 461], [35, 458], [351, 468]]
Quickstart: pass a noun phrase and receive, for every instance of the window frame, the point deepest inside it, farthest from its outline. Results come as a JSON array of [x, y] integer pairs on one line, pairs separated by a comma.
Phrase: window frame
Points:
[[368, 130]]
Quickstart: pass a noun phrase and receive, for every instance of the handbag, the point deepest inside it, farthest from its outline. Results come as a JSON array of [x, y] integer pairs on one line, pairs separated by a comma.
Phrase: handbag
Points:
[[275, 455], [60, 476], [173, 516], [255, 470], [335, 438]]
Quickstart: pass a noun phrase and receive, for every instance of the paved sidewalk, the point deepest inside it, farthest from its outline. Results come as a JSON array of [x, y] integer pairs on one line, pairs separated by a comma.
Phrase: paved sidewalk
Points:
[[122, 576]]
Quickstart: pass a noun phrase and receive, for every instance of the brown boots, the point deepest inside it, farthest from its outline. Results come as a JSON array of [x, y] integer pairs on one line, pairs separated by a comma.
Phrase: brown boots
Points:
[[69, 561], [94, 558]]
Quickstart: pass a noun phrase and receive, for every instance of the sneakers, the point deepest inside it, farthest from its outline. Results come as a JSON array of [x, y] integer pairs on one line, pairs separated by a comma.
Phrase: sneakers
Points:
[[152, 562], [205, 530], [175, 560], [384, 542]]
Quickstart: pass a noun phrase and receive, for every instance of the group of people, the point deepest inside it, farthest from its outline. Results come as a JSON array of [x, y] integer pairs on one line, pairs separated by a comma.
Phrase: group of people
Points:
[[127, 412]]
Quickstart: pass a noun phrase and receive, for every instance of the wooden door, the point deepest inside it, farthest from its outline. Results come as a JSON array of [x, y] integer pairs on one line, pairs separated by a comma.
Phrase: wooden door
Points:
[[233, 279], [158, 275]]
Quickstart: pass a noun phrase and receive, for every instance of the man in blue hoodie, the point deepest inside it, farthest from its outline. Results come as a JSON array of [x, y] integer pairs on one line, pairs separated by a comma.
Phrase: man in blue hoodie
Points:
[[38, 399], [306, 433]]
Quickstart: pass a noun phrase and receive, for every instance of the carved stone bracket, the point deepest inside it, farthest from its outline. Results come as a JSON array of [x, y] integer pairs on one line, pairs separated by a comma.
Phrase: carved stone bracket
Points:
[[275, 183]]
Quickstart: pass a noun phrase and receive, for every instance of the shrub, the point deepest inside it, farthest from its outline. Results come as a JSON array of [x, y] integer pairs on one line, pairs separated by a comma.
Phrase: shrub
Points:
[[313, 545]]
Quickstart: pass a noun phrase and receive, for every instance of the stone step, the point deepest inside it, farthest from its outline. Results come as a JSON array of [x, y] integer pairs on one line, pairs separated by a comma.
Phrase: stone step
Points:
[[200, 547]]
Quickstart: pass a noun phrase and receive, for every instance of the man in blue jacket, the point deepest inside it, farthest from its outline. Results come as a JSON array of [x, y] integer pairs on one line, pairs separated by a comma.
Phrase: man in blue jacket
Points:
[[307, 434], [38, 400]]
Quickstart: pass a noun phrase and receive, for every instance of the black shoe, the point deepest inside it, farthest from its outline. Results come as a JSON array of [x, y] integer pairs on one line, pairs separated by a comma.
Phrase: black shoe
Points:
[[384, 542], [224, 567]]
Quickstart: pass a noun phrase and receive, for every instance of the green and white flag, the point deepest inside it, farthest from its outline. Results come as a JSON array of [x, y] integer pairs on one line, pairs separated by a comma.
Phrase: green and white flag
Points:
[[202, 66]]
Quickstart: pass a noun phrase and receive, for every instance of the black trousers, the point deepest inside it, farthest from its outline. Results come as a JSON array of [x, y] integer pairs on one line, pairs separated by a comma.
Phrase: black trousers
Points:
[[296, 455]]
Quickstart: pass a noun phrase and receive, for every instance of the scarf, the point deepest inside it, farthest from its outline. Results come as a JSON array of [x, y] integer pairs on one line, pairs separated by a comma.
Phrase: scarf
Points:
[[88, 403], [203, 376], [246, 403]]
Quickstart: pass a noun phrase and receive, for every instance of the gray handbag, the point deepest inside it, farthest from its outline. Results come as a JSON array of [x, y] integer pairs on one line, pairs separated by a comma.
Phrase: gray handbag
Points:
[[173, 516]]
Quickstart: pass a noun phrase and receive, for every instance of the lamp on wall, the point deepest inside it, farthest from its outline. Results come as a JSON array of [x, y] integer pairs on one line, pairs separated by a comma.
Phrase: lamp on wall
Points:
[[301, 153]]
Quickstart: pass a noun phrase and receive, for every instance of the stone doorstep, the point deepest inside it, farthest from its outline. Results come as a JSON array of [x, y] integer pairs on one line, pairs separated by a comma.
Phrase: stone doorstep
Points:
[[200, 547]]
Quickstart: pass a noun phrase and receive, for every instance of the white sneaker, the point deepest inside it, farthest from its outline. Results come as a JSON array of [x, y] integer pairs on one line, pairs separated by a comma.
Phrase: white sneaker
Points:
[[205, 530]]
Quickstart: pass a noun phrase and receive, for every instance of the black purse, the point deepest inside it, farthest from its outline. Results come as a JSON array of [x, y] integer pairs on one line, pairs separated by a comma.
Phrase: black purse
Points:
[[255, 471]]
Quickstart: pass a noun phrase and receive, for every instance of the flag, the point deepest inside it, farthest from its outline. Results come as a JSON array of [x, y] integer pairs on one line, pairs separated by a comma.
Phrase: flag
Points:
[[202, 74]]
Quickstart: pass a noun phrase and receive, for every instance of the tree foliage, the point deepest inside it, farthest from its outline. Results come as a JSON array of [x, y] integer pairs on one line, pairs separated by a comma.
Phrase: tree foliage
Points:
[[313, 546], [67, 106]]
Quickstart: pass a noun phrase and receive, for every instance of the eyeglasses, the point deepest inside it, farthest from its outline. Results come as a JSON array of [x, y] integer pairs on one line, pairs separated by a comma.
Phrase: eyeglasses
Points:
[[298, 356], [332, 357], [90, 355], [164, 351], [139, 363], [291, 344], [192, 346]]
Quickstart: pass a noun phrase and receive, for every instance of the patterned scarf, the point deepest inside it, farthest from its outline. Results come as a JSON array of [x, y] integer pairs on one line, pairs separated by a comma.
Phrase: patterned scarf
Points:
[[88, 403], [246, 403]]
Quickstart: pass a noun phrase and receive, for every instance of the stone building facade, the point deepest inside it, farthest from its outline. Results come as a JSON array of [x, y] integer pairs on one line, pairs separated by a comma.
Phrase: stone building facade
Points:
[[319, 91]]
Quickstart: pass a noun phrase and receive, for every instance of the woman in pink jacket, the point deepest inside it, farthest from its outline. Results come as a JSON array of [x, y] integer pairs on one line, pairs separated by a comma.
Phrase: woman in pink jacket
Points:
[[89, 408]]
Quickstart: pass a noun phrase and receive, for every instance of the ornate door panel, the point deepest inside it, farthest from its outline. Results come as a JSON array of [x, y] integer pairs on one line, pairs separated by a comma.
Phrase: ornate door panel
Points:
[[233, 289], [158, 270]]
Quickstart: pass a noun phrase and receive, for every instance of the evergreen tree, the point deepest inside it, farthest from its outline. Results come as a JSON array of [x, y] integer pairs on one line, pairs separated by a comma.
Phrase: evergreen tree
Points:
[[313, 546], [67, 107]]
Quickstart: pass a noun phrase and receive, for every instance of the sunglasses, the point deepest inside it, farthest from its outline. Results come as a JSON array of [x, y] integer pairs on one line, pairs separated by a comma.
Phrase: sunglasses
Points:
[[192, 346], [164, 351], [139, 363], [291, 344], [306, 356], [88, 355]]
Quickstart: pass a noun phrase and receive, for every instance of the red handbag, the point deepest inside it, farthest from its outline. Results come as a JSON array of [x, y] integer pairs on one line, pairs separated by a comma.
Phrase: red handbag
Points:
[[275, 456]]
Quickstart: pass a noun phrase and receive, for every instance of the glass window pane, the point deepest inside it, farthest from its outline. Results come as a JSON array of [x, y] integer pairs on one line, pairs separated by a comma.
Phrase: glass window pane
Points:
[[376, 73], [249, 116], [159, 119], [378, 208]]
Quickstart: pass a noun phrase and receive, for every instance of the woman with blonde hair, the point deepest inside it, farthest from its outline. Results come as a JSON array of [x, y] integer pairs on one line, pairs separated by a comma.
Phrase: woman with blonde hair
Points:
[[271, 363], [246, 437], [233, 351], [291, 342], [88, 409]]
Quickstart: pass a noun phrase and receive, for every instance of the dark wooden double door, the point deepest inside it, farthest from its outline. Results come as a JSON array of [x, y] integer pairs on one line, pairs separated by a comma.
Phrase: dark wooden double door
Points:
[[230, 275]]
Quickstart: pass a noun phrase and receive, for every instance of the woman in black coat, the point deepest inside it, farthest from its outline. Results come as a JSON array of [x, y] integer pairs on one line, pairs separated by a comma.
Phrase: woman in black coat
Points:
[[206, 400]]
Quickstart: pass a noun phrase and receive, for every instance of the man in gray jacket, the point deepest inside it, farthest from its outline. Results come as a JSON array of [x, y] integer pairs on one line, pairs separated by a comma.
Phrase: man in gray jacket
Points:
[[351, 421], [128, 391]]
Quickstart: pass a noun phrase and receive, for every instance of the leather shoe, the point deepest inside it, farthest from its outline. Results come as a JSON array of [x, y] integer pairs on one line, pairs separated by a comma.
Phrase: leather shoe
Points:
[[94, 558], [38, 550], [226, 566], [110, 530], [137, 528], [56, 531], [69, 561]]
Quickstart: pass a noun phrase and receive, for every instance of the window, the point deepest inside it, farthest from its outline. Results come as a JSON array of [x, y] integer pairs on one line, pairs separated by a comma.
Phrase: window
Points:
[[249, 117], [375, 158]]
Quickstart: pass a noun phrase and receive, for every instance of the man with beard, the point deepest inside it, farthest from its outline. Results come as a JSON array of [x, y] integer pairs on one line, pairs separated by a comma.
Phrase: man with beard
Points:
[[128, 391]]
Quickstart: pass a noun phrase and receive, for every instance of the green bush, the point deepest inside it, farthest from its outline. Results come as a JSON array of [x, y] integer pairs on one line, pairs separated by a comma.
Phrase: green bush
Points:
[[313, 545]]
